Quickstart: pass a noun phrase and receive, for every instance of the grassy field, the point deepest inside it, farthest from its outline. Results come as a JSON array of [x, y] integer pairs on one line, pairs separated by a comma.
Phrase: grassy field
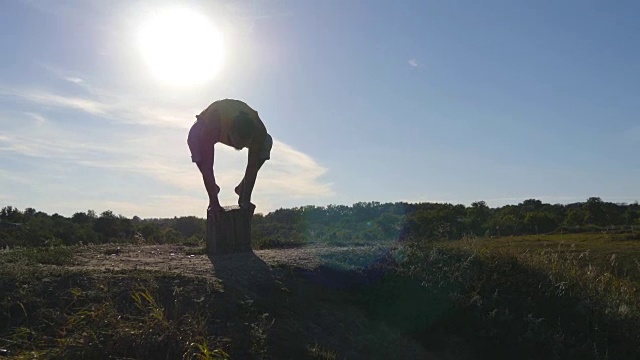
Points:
[[530, 297], [615, 253], [559, 296]]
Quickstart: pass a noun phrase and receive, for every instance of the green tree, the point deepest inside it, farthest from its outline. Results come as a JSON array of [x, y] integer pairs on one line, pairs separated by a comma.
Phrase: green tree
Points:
[[389, 225], [595, 213], [149, 231], [477, 216], [11, 214], [630, 216], [531, 205], [575, 217], [540, 222], [189, 226], [82, 218], [112, 227]]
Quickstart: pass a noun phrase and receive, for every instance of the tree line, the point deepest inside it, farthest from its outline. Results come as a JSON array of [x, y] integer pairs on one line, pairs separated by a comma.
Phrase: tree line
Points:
[[36, 228], [374, 221], [363, 222]]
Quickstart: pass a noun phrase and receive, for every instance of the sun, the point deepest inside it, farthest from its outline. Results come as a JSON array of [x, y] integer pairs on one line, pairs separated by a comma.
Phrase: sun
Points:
[[181, 47]]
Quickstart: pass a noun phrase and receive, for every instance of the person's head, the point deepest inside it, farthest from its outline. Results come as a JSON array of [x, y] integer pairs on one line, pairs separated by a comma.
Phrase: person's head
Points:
[[241, 131]]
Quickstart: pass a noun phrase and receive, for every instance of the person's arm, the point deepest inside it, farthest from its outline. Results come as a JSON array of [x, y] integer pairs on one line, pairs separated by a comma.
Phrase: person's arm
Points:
[[253, 165], [207, 150], [206, 168]]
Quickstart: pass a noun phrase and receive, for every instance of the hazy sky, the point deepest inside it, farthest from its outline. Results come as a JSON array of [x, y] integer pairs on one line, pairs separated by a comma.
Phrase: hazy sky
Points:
[[448, 101]]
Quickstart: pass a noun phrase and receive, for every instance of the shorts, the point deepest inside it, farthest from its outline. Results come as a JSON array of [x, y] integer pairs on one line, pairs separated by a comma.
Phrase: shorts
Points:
[[193, 140]]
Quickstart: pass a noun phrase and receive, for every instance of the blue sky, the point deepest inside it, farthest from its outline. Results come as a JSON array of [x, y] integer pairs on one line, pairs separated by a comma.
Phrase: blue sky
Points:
[[448, 101]]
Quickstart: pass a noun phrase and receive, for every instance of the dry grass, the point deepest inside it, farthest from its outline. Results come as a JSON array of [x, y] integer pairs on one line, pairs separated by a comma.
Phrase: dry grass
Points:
[[531, 297], [618, 254]]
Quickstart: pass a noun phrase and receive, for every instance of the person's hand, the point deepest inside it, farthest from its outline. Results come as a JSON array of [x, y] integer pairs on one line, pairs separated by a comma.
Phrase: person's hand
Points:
[[213, 211]]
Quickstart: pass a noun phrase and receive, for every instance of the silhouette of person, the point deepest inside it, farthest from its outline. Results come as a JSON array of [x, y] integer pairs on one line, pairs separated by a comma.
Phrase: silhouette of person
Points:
[[233, 123]]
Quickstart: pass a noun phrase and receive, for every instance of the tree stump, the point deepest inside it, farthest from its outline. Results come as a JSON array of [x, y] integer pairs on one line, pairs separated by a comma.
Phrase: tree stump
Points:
[[231, 233]]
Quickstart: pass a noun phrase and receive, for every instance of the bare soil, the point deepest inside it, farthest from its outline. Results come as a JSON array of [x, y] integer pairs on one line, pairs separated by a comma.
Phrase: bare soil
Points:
[[189, 260]]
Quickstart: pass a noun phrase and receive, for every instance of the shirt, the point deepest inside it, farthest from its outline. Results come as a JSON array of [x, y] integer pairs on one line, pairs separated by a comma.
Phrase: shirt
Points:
[[228, 110]]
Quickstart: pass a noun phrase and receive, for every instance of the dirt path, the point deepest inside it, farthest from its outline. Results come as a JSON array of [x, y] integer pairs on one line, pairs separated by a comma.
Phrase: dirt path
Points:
[[189, 260]]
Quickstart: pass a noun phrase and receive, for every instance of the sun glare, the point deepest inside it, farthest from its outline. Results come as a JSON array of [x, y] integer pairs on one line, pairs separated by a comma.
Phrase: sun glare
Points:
[[181, 47]]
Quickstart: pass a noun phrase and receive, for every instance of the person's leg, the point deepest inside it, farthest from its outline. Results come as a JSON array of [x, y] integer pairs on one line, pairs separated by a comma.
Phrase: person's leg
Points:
[[193, 141], [204, 164]]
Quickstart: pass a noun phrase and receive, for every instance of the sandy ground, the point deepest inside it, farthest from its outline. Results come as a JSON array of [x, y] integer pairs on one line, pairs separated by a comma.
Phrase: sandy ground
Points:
[[177, 258], [246, 271]]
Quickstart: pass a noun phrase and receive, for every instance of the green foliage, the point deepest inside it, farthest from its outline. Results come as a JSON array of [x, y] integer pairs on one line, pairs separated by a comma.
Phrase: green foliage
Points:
[[45, 256], [189, 226], [37, 229], [278, 242], [339, 225]]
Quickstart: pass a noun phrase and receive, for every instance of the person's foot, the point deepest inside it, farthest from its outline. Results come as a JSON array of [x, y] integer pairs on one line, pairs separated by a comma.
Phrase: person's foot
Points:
[[247, 205]]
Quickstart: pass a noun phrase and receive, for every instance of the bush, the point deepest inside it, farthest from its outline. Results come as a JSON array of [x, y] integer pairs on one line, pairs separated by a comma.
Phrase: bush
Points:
[[276, 243]]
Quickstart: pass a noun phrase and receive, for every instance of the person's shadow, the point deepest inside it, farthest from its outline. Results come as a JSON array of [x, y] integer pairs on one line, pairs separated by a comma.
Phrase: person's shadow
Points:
[[243, 272], [234, 263], [261, 307]]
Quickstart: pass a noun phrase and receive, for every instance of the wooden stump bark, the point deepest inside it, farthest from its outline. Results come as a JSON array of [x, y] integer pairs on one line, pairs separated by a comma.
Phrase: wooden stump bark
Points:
[[231, 233]]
